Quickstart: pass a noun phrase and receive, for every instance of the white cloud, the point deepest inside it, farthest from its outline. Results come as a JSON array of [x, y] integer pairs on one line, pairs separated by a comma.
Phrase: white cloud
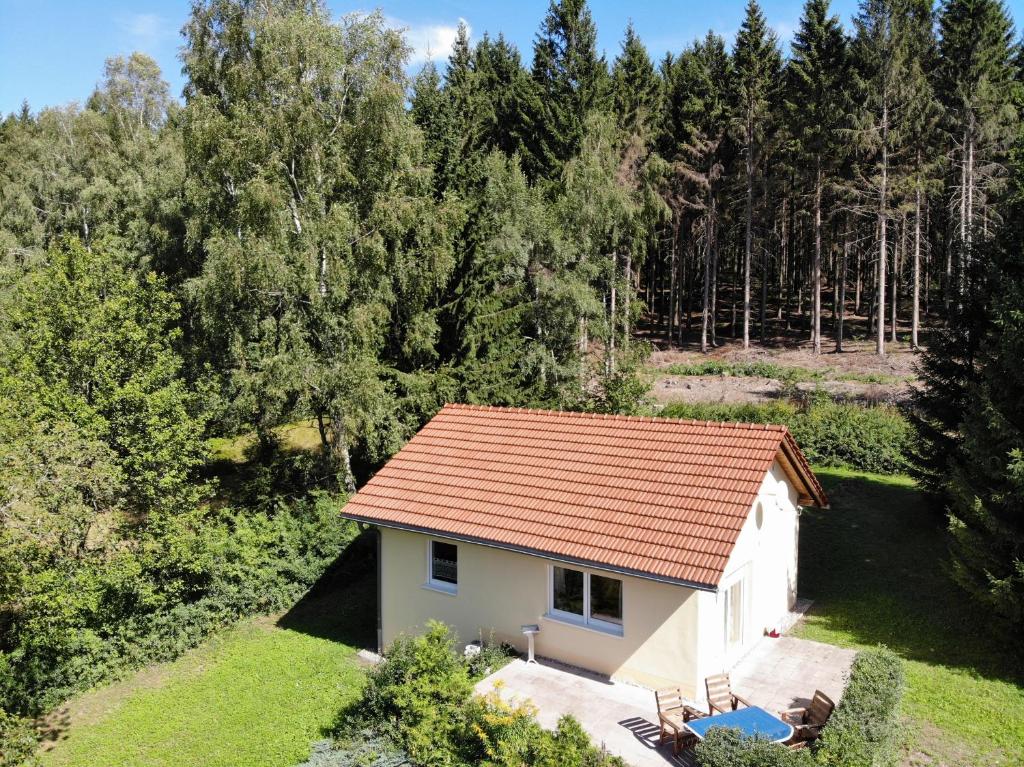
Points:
[[429, 42], [146, 30]]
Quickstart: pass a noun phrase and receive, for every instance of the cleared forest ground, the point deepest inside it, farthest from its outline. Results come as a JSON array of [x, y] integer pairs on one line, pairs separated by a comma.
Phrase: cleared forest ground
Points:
[[858, 374]]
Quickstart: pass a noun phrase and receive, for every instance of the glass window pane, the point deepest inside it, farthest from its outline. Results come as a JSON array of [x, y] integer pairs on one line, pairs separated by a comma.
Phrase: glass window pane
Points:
[[735, 613], [444, 565], [568, 591], [606, 599]]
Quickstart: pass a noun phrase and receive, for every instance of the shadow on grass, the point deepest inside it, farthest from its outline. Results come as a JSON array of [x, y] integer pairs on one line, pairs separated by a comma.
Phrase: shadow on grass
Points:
[[342, 605], [876, 566]]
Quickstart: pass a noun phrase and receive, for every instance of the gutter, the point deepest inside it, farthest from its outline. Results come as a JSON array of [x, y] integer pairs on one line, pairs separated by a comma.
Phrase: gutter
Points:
[[532, 552]]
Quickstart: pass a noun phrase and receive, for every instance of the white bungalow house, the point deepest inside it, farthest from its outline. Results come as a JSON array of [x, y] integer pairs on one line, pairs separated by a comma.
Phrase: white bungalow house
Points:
[[653, 551]]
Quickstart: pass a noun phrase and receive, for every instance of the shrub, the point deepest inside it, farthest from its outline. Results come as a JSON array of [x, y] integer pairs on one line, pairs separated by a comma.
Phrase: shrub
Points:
[[417, 696], [508, 735], [864, 730], [728, 748], [846, 435], [418, 702], [364, 749], [18, 740]]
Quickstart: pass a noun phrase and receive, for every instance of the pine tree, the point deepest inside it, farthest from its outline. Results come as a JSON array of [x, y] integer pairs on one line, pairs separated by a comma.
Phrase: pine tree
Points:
[[982, 474], [635, 87], [570, 80], [976, 80], [757, 64], [881, 56], [816, 108]]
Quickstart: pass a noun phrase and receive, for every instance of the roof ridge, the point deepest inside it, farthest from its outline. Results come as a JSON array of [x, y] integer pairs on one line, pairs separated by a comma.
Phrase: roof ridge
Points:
[[740, 425]]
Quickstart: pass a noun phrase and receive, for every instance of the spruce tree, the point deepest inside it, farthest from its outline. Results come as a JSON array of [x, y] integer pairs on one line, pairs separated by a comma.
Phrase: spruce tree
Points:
[[635, 87], [816, 107], [570, 80], [757, 64], [976, 80]]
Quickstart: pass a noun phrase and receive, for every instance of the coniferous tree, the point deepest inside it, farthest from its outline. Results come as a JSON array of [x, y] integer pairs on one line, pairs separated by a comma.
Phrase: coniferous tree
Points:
[[976, 80], [757, 64], [570, 80], [881, 57], [635, 88]]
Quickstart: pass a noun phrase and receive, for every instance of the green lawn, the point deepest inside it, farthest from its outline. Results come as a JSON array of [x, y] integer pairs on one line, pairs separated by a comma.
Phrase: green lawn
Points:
[[257, 695], [874, 564]]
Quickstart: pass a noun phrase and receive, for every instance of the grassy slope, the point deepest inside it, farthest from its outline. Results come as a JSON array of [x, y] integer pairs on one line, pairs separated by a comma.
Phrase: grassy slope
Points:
[[874, 563], [257, 695]]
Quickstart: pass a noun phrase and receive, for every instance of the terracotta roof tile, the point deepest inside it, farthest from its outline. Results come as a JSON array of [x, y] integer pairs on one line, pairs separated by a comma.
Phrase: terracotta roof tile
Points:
[[663, 498]]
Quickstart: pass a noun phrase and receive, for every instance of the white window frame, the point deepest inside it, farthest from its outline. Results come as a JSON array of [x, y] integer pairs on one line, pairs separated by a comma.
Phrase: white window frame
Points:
[[585, 621], [435, 585]]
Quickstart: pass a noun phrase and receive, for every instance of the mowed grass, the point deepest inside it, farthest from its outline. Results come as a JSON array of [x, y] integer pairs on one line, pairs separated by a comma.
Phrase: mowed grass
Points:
[[875, 564], [255, 696]]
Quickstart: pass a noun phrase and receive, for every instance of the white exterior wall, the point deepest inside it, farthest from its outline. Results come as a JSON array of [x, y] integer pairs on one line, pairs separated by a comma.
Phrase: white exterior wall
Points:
[[766, 559]]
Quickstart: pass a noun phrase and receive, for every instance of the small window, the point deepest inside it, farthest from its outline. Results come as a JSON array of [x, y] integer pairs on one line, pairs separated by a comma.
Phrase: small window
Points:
[[759, 515], [568, 591], [444, 566], [586, 599]]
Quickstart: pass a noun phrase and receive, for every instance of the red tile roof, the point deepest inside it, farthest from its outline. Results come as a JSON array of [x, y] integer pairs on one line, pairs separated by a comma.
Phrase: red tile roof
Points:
[[661, 498]]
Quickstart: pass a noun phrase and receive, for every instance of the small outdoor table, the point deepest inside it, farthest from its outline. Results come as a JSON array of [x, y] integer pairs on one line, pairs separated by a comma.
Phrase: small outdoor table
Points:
[[753, 722]]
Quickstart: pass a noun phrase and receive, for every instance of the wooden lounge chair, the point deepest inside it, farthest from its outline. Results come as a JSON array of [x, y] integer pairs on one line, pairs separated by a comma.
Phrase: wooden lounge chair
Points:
[[672, 714], [721, 698], [808, 721]]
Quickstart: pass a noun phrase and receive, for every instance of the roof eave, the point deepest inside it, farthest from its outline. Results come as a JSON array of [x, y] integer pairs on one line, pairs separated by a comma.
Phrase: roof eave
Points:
[[533, 552]]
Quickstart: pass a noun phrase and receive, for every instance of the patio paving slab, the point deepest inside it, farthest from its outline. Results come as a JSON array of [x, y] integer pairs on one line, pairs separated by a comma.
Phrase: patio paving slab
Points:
[[777, 674]]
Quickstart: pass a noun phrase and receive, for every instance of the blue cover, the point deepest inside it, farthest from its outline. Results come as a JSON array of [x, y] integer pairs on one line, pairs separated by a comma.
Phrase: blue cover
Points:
[[753, 722]]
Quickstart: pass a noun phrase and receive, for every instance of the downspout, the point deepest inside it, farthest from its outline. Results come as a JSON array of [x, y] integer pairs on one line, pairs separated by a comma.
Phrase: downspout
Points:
[[380, 591]]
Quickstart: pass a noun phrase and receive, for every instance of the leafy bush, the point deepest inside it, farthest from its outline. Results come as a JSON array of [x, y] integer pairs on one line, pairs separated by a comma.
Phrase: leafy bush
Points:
[[492, 656], [417, 695], [877, 439], [728, 748], [864, 730], [18, 740], [85, 621], [418, 701], [510, 736]]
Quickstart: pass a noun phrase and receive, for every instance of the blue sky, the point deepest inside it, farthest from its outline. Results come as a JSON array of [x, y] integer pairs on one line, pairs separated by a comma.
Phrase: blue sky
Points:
[[52, 51]]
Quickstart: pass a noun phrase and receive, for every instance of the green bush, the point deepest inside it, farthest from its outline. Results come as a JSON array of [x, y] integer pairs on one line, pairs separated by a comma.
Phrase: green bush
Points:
[[864, 730], [418, 701], [85, 621], [417, 695], [18, 740], [726, 747], [877, 439]]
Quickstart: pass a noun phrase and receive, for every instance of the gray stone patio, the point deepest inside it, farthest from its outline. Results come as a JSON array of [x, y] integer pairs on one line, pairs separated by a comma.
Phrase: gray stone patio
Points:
[[776, 674]]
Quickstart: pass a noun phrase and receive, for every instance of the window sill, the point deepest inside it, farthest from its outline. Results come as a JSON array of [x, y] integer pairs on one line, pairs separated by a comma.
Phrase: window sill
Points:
[[442, 588], [605, 629]]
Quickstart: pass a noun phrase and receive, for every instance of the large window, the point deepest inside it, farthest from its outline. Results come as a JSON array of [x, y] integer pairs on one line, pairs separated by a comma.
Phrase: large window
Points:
[[586, 598], [444, 566]]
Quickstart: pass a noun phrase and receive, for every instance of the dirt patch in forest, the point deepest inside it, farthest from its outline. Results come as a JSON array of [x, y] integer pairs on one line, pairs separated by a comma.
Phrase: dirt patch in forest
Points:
[[736, 390], [845, 377]]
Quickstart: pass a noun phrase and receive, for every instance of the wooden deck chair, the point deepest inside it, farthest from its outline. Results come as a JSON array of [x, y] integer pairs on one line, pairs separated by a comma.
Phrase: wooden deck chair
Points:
[[721, 698], [672, 714], [808, 721]]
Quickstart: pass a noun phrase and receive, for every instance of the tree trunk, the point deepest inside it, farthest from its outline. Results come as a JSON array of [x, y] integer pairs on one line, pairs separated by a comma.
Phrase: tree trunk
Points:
[[707, 288], [841, 284], [750, 232], [915, 317], [816, 267], [880, 302]]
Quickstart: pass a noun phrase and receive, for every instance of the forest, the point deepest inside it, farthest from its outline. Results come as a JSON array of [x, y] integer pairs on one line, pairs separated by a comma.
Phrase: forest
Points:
[[311, 232]]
